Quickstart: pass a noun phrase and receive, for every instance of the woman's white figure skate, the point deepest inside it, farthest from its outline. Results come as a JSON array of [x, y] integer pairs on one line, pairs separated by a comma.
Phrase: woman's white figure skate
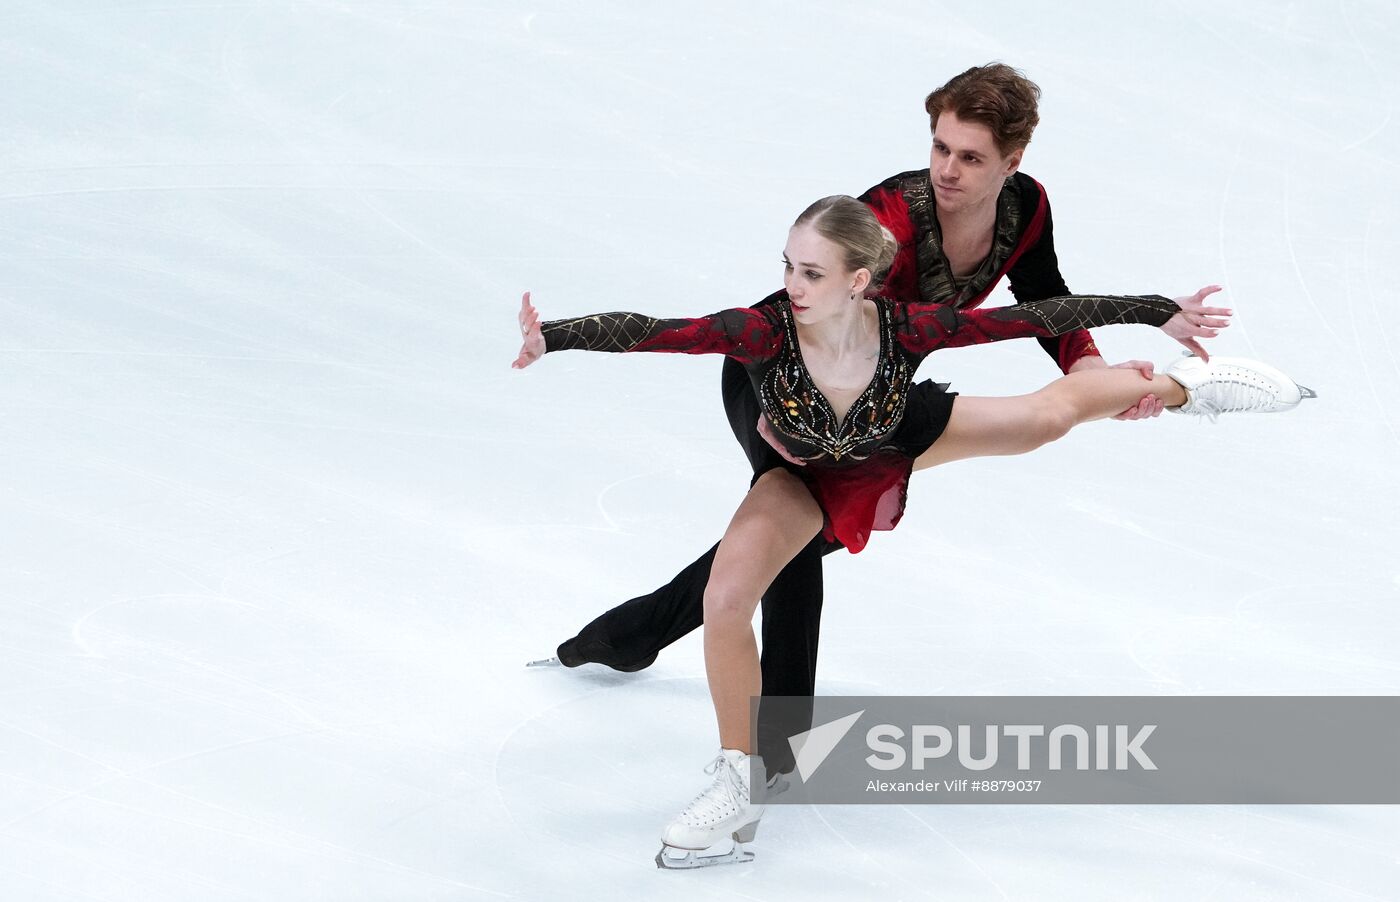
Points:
[[1234, 385], [723, 815]]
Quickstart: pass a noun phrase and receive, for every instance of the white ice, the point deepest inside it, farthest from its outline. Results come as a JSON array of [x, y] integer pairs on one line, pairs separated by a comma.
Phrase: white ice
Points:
[[281, 526]]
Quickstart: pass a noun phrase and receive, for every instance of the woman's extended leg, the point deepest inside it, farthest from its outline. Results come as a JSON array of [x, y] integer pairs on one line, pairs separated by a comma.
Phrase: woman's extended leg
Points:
[[777, 518], [985, 427]]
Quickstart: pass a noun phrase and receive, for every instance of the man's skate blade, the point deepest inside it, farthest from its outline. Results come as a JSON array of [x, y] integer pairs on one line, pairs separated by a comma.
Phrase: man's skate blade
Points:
[[777, 785], [671, 858], [545, 662]]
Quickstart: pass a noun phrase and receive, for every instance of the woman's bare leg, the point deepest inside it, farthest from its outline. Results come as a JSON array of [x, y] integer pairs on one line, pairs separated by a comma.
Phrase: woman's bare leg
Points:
[[776, 520], [987, 427]]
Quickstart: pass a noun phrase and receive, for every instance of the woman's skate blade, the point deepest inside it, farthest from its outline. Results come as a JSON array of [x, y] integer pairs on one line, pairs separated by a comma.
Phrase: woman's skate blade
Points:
[[671, 858]]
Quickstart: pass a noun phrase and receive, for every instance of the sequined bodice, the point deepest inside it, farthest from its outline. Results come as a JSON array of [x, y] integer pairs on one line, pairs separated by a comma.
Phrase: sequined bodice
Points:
[[808, 423]]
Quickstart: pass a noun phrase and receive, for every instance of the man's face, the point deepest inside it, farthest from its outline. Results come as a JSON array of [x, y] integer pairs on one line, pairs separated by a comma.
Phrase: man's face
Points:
[[965, 167]]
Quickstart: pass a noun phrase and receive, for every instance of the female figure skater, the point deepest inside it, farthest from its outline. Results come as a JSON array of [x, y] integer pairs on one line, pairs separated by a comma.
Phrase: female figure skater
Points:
[[833, 369], [970, 219]]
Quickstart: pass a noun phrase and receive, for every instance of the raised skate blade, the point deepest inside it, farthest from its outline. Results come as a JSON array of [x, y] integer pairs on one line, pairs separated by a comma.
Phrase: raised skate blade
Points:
[[671, 858], [544, 662], [1307, 392]]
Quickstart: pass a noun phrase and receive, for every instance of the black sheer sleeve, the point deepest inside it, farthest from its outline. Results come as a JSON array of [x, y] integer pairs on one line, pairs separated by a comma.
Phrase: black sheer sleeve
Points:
[[745, 335], [930, 326]]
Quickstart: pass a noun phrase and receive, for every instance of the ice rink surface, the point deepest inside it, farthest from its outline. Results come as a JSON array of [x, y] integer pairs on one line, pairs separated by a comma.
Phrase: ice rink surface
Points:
[[280, 526]]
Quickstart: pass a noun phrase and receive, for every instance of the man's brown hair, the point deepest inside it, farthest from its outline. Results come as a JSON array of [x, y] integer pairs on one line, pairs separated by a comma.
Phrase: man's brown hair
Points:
[[994, 95]]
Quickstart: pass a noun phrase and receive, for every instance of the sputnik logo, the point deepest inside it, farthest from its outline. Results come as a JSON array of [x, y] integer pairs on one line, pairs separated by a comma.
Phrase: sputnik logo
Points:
[[812, 747]]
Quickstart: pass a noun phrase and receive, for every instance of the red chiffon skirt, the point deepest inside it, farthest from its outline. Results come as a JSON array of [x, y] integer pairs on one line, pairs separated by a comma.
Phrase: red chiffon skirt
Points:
[[862, 497]]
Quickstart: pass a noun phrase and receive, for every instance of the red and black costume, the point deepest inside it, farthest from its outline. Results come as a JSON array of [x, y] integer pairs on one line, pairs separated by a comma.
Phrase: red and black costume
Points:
[[629, 636], [857, 469]]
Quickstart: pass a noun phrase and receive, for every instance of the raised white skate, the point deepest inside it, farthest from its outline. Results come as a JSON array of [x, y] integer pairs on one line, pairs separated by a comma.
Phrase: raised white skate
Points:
[[721, 816], [1234, 385]]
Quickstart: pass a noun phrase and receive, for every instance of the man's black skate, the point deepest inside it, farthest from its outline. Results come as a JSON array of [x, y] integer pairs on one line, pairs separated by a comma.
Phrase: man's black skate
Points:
[[572, 653]]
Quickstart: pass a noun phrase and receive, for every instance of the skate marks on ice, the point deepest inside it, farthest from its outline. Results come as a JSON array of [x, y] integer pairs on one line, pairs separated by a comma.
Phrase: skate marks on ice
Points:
[[596, 772], [1308, 638], [1035, 852], [179, 743]]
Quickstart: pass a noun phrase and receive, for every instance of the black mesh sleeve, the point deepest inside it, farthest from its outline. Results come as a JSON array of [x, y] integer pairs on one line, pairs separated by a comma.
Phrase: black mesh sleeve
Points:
[[613, 332], [930, 326], [742, 334], [1086, 311]]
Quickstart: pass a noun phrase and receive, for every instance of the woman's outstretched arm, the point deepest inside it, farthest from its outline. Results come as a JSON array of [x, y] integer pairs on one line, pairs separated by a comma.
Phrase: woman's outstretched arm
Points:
[[1186, 319], [746, 335]]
